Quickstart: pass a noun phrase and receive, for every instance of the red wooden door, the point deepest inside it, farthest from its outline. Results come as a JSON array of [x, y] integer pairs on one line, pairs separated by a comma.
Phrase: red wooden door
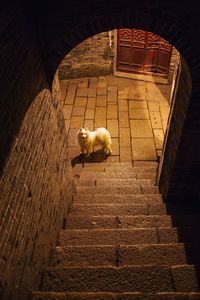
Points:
[[142, 51]]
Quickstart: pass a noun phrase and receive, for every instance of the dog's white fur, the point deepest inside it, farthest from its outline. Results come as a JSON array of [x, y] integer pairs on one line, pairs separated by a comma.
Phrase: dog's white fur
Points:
[[89, 139]]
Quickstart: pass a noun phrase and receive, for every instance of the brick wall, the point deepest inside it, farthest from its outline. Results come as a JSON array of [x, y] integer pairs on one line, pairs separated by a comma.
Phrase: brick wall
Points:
[[92, 57], [36, 179]]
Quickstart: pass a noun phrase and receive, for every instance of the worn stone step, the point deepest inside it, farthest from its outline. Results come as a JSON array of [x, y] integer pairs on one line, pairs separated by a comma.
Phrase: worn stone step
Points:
[[83, 221], [133, 209], [143, 163], [110, 279], [115, 169], [115, 182], [112, 164], [132, 189], [178, 235], [137, 163], [120, 256], [117, 175], [77, 237], [114, 296], [109, 209], [131, 236], [118, 199]]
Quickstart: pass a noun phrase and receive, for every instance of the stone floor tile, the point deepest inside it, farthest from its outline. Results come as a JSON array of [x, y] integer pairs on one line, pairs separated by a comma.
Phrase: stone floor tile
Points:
[[74, 152], [164, 124], [67, 122], [112, 88], [143, 149], [111, 80], [164, 110], [137, 92], [91, 102], [93, 80], [100, 113], [89, 113], [63, 91], [101, 91], [159, 138], [112, 96], [123, 105], [125, 154], [123, 119], [83, 83], [139, 113], [76, 122], [141, 129], [100, 117], [124, 137], [154, 93], [122, 96], [80, 101], [155, 119], [115, 146], [100, 123], [89, 124], [72, 138], [137, 104], [82, 92], [102, 83], [123, 90], [112, 112], [163, 102], [112, 126], [67, 111], [92, 91], [112, 158], [153, 106], [78, 111], [101, 100], [70, 94], [124, 82]]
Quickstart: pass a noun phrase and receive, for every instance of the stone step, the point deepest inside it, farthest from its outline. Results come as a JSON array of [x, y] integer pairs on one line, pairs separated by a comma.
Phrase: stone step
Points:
[[134, 209], [133, 189], [109, 209], [78, 237], [180, 278], [137, 163], [117, 175], [118, 199], [115, 169], [108, 182], [114, 296], [120, 256], [83, 221], [133, 236]]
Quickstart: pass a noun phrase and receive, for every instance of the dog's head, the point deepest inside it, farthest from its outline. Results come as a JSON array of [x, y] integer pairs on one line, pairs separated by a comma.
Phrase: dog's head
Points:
[[83, 133]]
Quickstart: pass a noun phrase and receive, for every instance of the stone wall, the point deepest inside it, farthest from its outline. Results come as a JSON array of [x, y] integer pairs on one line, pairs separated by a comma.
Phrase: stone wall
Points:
[[36, 179], [92, 57], [168, 178]]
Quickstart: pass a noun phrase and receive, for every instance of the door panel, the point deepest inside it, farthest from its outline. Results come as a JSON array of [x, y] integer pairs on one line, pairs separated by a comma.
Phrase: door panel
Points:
[[141, 51]]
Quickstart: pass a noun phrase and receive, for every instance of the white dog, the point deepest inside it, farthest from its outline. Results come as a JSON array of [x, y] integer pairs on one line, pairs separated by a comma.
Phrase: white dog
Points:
[[88, 139]]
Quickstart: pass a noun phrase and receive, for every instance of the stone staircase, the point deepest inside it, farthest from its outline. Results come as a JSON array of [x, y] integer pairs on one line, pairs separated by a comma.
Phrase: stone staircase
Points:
[[121, 242]]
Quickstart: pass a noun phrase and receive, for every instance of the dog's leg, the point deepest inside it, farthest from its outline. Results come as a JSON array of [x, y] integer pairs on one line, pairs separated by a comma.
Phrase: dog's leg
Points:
[[109, 150]]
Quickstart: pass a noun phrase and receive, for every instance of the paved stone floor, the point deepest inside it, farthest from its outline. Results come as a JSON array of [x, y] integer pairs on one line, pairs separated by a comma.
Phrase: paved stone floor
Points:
[[135, 112]]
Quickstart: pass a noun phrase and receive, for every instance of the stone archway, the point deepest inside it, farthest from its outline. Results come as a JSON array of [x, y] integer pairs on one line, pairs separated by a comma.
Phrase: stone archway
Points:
[[168, 28]]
